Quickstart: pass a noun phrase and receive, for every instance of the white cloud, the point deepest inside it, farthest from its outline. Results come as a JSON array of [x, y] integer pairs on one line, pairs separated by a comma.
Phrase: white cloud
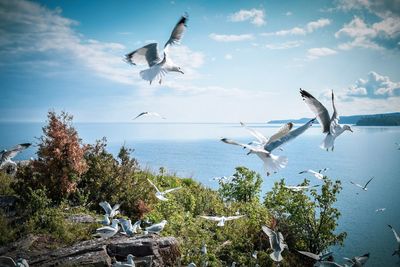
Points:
[[230, 37], [309, 28], [256, 16], [285, 45], [228, 56], [315, 53], [293, 31], [313, 25]]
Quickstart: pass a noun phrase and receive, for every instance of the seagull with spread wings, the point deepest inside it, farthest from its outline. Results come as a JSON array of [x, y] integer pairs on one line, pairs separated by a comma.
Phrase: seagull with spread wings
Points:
[[358, 261], [319, 257], [6, 156], [396, 236], [127, 226], [147, 113], [330, 125], [361, 186], [161, 195], [110, 212], [317, 175], [221, 219], [262, 140], [148, 54], [276, 242]]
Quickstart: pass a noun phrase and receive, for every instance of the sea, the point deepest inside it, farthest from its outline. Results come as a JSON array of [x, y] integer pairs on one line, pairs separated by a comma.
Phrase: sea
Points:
[[195, 150]]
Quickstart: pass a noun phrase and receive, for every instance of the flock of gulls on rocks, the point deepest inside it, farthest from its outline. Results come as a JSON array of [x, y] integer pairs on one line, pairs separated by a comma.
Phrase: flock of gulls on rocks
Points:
[[158, 67]]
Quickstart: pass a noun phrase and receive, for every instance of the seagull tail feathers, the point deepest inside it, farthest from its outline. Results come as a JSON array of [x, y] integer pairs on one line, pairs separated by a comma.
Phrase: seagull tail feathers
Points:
[[328, 142], [274, 163], [276, 256], [151, 74]]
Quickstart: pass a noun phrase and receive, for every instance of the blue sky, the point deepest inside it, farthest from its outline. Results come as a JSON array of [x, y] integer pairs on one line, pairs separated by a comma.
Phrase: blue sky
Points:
[[243, 60]]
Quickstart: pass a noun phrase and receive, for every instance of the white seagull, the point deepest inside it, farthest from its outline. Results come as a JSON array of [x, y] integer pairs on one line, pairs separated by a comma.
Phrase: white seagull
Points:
[[262, 140], [221, 219], [156, 228], [298, 188], [317, 175], [108, 231], [362, 187], [148, 54], [6, 156], [110, 212], [277, 243], [203, 249], [161, 195], [129, 262], [105, 221], [9, 262], [319, 257], [147, 113], [358, 261], [330, 126], [397, 251], [128, 228]]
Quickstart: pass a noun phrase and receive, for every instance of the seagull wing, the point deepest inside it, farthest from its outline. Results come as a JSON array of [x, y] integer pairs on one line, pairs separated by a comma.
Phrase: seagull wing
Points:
[[12, 152], [172, 189], [156, 114], [126, 224], [335, 117], [288, 137], [211, 218], [395, 233], [177, 32], [284, 130], [310, 255], [116, 206], [153, 185], [148, 54], [356, 184], [230, 218], [269, 232], [106, 206], [141, 114], [259, 136], [7, 261], [318, 109], [368, 182]]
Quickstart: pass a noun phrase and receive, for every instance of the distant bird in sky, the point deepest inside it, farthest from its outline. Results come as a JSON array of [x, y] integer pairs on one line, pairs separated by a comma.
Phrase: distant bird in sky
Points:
[[9, 262], [277, 243], [6, 156], [128, 228], [161, 195], [221, 219], [362, 187], [330, 125], [380, 210], [110, 212], [317, 175], [108, 231], [148, 54], [156, 228], [396, 236], [319, 257], [129, 262], [358, 261], [298, 188], [147, 113]]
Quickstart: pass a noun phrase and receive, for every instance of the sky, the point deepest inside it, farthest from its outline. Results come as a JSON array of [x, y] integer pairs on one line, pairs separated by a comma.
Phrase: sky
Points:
[[242, 60]]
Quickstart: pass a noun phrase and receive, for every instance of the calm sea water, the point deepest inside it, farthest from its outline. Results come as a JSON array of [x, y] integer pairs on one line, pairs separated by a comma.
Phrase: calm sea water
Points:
[[194, 150]]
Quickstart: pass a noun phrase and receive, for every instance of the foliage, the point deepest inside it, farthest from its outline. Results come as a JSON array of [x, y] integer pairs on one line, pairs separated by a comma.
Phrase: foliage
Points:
[[5, 184], [7, 233], [308, 220]]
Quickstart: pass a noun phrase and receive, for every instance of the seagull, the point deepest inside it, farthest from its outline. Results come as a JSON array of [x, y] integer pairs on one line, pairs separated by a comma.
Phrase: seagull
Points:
[[110, 212], [317, 175], [156, 228], [397, 251], [380, 210], [262, 140], [128, 228], [254, 254], [6, 156], [161, 195], [298, 188], [330, 126], [105, 221], [277, 243], [203, 249], [358, 261], [129, 262], [319, 257], [9, 262], [148, 54], [108, 231], [147, 113], [192, 264], [221, 220], [362, 187]]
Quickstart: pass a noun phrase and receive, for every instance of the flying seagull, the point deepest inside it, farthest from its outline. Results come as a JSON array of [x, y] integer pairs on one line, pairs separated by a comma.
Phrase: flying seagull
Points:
[[156, 228], [330, 126], [277, 243], [129, 262], [358, 261], [108, 231], [298, 188], [9, 262], [262, 140], [6, 156], [148, 54], [147, 113], [319, 257], [397, 251], [380, 210], [317, 175], [362, 187], [221, 219], [128, 228], [272, 163], [161, 195], [110, 212]]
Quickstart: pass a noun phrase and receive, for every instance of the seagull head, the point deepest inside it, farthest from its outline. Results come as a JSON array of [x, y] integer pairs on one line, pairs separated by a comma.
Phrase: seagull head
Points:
[[177, 69], [347, 128]]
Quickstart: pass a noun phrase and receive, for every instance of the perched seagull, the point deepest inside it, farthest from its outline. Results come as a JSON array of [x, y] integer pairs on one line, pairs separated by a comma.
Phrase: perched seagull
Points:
[[262, 140], [147, 113], [6, 156], [298, 188], [221, 220], [128, 228], [161, 195], [129, 262], [319, 257], [203, 249], [9, 262], [108, 231], [362, 187], [358, 261], [330, 126], [317, 175], [156, 228], [397, 251], [105, 221], [380, 210], [277, 243], [148, 54], [110, 212]]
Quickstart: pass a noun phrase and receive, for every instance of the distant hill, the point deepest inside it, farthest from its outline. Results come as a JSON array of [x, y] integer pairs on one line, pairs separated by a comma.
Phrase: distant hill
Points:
[[386, 119]]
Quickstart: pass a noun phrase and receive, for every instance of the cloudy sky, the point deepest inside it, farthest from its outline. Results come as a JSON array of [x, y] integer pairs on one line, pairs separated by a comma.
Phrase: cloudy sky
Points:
[[243, 60]]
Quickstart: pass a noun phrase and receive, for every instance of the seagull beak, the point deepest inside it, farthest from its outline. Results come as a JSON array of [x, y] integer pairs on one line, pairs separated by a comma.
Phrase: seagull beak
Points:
[[351, 130], [181, 72]]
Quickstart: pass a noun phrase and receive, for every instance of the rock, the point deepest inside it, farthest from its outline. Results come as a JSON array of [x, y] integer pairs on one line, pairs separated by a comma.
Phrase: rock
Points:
[[8, 205], [81, 218]]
